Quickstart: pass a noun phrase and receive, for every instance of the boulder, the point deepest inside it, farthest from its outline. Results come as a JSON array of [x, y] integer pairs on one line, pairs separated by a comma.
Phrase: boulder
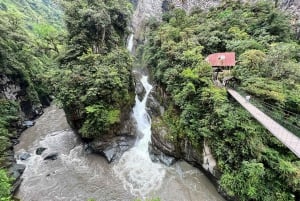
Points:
[[139, 90], [112, 148], [28, 124], [51, 156], [24, 156], [157, 155], [161, 140], [163, 146], [40, 150], [154, 107], [17, 170]]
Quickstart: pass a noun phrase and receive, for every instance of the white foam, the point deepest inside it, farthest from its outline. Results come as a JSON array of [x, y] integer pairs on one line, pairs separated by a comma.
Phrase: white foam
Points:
[[135, 169]]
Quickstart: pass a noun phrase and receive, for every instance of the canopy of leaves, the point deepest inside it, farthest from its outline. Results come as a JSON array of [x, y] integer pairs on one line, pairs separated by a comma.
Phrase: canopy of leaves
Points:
[[94, 84], [27, 48], [254, 165]]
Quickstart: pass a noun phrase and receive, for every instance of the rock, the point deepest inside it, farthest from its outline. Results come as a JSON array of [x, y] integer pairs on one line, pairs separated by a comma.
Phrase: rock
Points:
[[16, 186], [40, 150], [112, 148], [160, 139], [15, 141], [139, 90], [24, 156], [154, 107], [183, 149], [28, 124], [110, 153], [128, 127], [17, 170], [158, 156], [51, 156]]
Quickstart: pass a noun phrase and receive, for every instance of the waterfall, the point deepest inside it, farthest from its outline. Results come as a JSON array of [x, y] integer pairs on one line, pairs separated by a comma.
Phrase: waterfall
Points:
[[130, 43], [135, 168]]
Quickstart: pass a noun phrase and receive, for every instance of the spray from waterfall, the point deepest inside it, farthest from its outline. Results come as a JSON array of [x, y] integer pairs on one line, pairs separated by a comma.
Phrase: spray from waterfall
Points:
[[135, 168]]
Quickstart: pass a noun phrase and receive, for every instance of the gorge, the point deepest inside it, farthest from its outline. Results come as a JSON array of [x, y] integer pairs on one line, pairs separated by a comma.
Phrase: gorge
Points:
[[157, 104]]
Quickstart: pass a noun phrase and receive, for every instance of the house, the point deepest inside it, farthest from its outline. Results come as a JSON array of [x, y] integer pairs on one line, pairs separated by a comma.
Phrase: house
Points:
[[221, 61]]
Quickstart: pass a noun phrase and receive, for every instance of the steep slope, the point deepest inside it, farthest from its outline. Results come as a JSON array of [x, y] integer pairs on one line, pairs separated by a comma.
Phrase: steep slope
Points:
[[95, 85], [250, 163], [26, 52]]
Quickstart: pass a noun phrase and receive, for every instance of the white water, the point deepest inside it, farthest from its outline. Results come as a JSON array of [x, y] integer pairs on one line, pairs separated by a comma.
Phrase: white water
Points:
[[130, 43], [135, 168]]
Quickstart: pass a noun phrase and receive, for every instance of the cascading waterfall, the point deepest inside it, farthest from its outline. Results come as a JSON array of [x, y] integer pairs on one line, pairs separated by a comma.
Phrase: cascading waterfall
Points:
[[135, 168], [130, 43]]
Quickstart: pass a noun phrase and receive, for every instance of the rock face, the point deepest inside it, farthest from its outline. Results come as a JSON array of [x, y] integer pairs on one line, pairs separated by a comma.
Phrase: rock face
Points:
[[14, 91], [116, 142], [179, 149], [146, 9], [112, 148]]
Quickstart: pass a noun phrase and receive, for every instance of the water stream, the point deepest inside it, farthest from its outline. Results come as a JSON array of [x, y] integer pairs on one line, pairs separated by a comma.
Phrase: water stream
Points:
[[78, 176]]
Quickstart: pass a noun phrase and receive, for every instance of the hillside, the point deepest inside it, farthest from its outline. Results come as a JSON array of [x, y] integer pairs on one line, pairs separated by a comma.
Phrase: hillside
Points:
[[29, 41], [250, 163]]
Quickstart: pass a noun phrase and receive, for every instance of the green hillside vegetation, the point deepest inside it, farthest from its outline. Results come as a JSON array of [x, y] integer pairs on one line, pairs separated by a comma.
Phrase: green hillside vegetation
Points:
[[253, 164], [31, 33], [94, 84]]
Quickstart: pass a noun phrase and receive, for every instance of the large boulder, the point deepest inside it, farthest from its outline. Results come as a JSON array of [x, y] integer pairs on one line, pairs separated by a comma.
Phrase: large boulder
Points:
[[17, 170], [51, 156], [24, 156], [112, 148], [153, 106], [40, 150]]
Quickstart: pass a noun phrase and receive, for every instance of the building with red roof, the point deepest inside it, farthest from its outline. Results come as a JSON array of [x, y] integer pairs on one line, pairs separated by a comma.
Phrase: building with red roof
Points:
[[223, 59]]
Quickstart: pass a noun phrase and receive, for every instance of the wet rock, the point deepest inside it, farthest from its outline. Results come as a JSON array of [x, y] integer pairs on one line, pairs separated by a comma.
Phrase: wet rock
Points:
[[110, 153], [16, 186], [24, 156], [15, 141], [139, 90], [40, 150], [161, 140], [154, 107], [112, 148], [128, 127], [164, 143], [17, 170], [158, 156], [51, 156], [28, 124]]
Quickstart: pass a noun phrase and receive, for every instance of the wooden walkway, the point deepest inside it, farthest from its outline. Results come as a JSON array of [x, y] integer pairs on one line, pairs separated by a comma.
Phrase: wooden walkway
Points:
[[283, 135]]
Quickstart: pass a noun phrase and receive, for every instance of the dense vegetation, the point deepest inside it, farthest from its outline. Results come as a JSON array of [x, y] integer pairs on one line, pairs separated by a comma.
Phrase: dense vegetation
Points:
[[253, 164], [94, 83], [28, 44]]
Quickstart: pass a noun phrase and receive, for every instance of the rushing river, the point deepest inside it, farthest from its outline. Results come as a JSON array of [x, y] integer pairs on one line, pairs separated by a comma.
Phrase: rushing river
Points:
[[77, 175]]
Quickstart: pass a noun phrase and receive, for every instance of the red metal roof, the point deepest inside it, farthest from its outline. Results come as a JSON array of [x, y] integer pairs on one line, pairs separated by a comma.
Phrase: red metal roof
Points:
[[221, 59]]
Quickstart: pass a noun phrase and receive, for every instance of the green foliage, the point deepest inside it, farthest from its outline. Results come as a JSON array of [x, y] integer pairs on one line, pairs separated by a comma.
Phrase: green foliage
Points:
[[254, 165], [27, 49], [94, 84], [4, 186], [99, 120]]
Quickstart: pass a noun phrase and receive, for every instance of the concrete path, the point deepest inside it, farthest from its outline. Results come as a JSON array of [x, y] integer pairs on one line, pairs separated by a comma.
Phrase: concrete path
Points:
[[286, 137]]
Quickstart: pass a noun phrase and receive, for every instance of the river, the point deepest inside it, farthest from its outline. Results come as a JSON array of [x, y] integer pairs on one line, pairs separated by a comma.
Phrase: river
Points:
[[77, 175]]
